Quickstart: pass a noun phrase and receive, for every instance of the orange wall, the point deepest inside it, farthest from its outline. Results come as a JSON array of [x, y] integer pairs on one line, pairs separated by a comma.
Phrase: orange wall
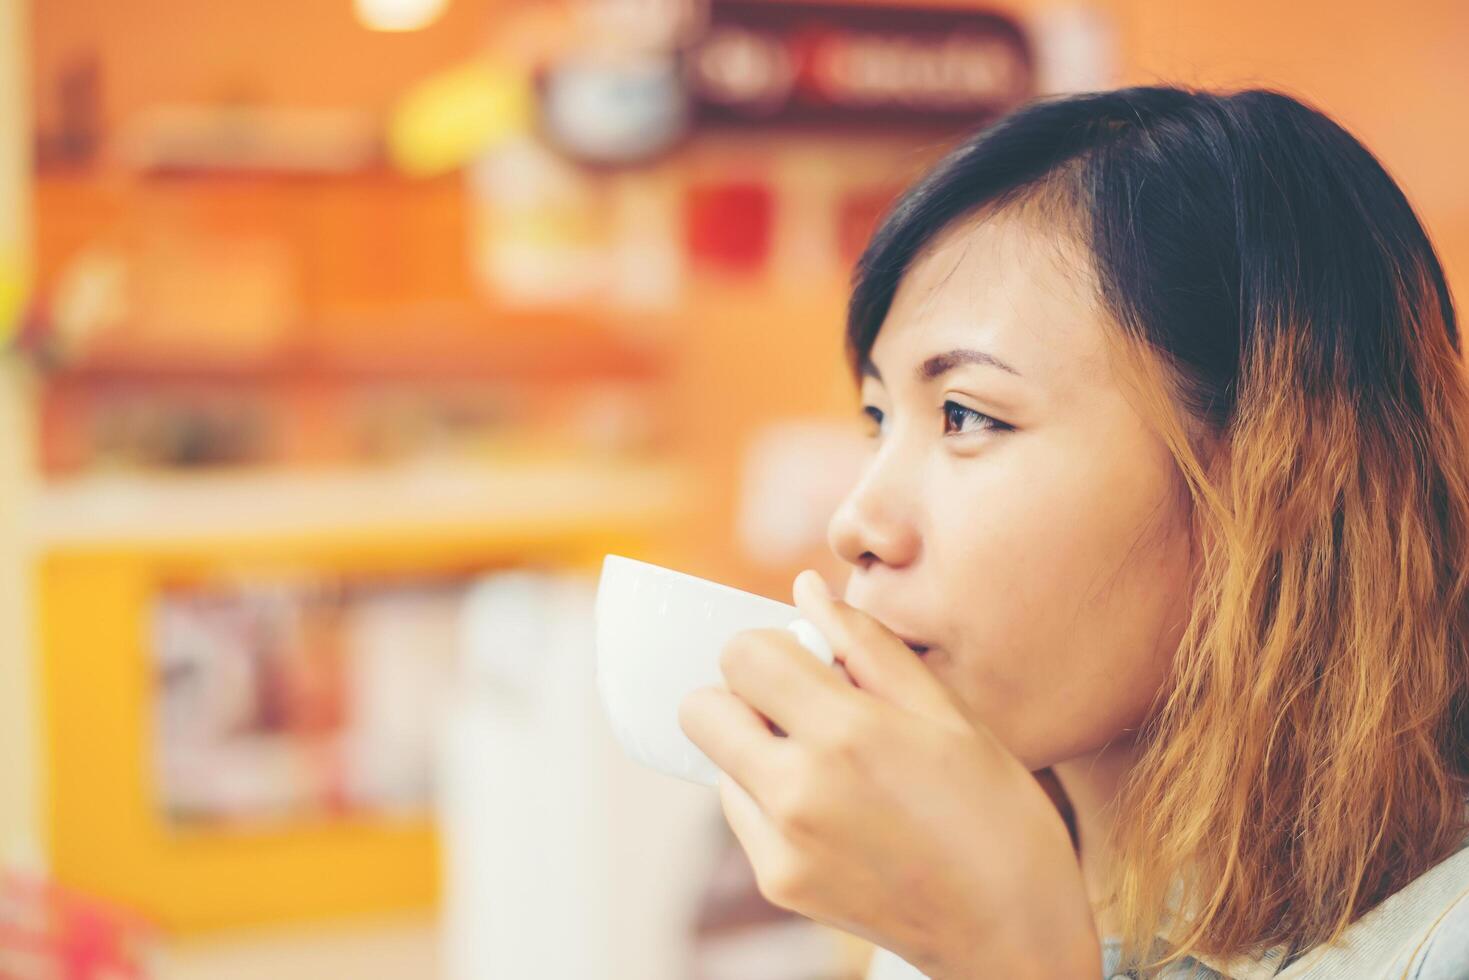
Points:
[[1394, 74]]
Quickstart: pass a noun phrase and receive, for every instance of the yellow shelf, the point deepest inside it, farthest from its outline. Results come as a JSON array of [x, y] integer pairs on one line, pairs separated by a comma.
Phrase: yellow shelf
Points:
[[107, 546], [507, 499]]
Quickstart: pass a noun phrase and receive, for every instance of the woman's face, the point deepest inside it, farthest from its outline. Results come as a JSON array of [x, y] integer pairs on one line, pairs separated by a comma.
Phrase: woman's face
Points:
[[1016, 514]]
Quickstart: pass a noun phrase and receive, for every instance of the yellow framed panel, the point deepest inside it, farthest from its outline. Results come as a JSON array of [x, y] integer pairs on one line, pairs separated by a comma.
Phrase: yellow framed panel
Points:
[[106, 834]]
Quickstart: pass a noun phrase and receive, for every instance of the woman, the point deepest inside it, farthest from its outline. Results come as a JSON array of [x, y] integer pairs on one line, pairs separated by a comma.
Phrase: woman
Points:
[[1169, 497]]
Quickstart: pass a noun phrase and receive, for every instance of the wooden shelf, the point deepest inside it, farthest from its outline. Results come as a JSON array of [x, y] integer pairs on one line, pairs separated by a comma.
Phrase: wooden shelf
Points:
[[534, 347], [363, 275]]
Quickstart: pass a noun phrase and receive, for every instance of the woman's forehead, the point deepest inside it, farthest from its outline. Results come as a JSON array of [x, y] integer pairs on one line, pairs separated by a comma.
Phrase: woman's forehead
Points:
[[1006, 285]]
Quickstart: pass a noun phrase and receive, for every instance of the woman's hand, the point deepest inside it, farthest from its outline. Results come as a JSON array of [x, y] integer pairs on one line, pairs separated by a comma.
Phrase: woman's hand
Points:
[[884, 812]]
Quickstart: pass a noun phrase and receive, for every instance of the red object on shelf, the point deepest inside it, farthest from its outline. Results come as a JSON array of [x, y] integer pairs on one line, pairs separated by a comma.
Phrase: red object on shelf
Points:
[[729, 223]]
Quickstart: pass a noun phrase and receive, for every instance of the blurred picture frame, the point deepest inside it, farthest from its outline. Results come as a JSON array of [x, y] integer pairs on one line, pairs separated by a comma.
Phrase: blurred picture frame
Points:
[[108, 834]]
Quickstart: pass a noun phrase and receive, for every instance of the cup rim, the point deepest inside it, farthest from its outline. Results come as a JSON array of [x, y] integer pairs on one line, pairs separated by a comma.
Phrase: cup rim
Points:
[[614, 559]]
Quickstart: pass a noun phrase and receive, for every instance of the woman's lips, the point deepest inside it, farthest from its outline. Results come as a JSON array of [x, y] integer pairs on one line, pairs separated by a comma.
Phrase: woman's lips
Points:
[[913, 642]]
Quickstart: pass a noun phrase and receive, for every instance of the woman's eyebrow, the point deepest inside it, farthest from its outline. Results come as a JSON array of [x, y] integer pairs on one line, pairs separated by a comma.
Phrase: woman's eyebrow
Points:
[[941, 364]]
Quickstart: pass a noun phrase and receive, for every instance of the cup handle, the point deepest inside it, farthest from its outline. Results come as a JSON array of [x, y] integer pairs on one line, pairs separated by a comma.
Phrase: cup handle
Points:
[[812, 640]]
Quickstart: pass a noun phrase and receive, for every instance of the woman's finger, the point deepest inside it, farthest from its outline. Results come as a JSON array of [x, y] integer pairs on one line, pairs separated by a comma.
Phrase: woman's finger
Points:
[[774, 674], [874, 657], [756, 832], [733, 735]]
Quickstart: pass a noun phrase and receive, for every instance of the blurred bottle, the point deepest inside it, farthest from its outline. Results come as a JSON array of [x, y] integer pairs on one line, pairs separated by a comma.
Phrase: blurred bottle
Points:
[[563, 859], [537, 225]]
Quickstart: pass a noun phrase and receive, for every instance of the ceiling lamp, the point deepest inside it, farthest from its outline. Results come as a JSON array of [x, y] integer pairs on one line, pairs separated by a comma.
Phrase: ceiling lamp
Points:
[[398, 15]]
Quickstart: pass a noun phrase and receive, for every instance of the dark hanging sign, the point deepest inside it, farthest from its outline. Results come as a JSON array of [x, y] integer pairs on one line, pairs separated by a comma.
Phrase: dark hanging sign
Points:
[[856, 65]]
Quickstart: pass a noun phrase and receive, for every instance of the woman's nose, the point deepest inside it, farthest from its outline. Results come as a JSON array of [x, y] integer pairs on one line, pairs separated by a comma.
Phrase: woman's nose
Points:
[[871, 526]]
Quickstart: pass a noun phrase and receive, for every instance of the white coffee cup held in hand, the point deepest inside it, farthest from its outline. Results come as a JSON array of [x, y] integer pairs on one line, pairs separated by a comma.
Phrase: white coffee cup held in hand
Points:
[[659, 636]]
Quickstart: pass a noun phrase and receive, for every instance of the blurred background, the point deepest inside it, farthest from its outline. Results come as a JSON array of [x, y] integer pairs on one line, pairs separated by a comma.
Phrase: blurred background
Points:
[[343, 338]]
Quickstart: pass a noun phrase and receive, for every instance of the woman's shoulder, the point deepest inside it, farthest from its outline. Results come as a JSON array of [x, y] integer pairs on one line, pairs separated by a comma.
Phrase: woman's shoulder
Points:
[[1420, 932], [1445, 953]]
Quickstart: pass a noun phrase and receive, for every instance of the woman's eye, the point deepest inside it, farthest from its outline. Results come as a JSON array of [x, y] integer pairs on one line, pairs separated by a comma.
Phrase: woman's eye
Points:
[[956, 416], [875, 414]]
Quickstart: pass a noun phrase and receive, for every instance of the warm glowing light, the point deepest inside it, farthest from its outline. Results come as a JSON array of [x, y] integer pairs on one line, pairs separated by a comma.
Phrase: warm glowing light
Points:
[[398, 15]]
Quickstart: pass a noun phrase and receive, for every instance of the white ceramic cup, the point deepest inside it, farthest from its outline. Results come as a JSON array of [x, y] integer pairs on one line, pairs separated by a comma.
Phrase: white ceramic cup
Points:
[[659, 636]]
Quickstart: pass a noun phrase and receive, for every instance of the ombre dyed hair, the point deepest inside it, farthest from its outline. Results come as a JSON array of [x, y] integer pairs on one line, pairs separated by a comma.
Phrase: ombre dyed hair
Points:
[[1288, 321]]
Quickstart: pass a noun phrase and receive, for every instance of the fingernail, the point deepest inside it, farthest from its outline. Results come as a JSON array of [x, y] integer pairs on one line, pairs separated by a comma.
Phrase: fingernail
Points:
[[814, 582]]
